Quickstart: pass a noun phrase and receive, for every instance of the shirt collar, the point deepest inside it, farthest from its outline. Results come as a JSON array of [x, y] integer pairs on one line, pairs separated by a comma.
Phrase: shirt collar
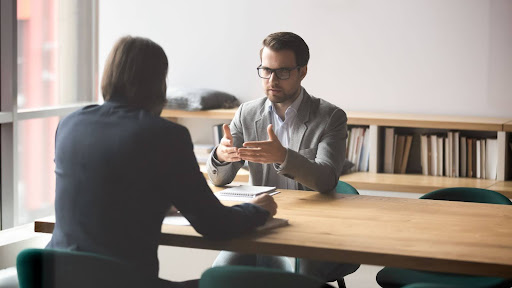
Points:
[[295, 105]]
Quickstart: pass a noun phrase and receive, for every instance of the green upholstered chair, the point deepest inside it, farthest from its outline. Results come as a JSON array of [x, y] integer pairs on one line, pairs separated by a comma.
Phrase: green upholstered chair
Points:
[[255, 277], [430, 285], [390, 277], [342, 188], [345, 188], [49, 268], [465, 194]]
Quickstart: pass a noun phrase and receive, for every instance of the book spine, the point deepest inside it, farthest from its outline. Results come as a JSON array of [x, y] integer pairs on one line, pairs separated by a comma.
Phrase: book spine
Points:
[[433, 156], [456, 153], [388, 150], [478, 159], [463, 157], [424, 154]]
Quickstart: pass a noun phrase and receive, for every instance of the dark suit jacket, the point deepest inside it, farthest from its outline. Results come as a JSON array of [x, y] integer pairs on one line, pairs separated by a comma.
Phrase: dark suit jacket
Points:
[[119, 169]]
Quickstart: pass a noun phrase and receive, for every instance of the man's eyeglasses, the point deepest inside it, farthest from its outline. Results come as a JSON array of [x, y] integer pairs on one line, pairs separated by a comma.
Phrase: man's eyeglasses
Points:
[[281, 73]]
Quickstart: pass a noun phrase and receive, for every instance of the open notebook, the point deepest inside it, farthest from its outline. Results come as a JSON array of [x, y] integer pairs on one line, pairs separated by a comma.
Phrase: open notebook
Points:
[[246, 191]]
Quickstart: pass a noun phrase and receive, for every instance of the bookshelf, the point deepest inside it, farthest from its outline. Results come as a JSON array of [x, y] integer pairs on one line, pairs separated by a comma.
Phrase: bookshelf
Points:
[[377, 119], [427, 121], [507, 127], [225, 114], [374, 180]]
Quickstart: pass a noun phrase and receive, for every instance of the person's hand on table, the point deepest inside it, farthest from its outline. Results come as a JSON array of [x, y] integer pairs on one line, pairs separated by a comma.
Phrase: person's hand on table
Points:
[[266, 202]]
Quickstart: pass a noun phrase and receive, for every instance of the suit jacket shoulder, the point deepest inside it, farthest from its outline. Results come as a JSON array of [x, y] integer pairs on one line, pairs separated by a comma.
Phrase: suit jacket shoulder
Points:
[[319, 110], [251, 110]]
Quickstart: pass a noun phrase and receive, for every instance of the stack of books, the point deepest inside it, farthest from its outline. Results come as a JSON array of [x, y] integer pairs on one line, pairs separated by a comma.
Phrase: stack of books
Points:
[[396, 151], [454, 155], [358, 148]]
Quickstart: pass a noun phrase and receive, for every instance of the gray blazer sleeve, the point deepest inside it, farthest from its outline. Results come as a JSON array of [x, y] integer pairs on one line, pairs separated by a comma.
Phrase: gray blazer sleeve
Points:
[[320, 168], [223, 173]]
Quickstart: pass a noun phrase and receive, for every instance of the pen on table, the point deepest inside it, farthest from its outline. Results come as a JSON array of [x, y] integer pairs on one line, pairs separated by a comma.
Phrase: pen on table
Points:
[[274, 193]]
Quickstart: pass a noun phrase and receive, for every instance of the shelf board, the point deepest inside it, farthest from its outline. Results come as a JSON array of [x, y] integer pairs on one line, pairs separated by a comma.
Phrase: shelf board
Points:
[[227, 114], [507, 127], [413, 182], [503, 187], [381, 119], [427, 121]]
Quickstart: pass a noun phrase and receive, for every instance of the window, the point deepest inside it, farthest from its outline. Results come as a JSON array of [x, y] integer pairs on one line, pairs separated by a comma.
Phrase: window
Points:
[[54, 73], [36, 179]]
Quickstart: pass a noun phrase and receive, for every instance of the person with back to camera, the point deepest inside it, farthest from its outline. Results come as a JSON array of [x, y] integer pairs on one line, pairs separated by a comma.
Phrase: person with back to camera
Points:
[[290, 139], [120, 167]]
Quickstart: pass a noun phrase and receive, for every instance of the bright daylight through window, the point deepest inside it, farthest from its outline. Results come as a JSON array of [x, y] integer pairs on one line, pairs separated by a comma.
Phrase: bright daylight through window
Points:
[[55, 73]]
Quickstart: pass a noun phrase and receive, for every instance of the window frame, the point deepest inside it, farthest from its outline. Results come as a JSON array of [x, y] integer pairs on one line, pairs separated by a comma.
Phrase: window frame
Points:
[[9, 113]]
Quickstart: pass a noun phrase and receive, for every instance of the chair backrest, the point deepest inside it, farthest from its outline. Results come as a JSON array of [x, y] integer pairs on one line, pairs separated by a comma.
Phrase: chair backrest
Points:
[[255, 277], [345, 188], [49, 268], [430, 285], [468, 194]]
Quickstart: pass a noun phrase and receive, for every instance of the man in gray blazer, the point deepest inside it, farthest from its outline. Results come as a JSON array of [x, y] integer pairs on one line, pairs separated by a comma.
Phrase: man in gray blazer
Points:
[[290, 140]]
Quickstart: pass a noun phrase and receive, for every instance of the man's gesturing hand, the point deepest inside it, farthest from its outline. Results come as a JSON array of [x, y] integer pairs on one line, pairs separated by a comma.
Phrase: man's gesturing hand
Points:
[[225, 151], [269, 151]]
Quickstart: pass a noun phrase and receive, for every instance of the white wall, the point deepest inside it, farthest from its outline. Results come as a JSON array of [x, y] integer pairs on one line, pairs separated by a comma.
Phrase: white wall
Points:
[[418, 56], [413, 56]]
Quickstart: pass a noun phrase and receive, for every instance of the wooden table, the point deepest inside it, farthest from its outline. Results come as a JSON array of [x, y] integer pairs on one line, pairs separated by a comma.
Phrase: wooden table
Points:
[[457, 237]]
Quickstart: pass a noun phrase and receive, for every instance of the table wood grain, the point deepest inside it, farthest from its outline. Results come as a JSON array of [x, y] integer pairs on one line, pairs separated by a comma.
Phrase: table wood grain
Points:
[[444, 236]]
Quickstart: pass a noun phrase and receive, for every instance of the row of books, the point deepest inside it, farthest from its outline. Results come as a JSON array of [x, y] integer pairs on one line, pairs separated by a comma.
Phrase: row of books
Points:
[[448, 154], [358, 148], [396, 151], [454, 155]]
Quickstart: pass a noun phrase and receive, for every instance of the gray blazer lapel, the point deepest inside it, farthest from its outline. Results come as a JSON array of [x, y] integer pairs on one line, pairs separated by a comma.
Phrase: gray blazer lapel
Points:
[[260, 129], [302, 118], [261, 124]]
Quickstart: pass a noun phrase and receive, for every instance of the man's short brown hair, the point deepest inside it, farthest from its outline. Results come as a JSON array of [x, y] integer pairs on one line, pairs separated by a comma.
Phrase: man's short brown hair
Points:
[[135, 73], [288, 41]]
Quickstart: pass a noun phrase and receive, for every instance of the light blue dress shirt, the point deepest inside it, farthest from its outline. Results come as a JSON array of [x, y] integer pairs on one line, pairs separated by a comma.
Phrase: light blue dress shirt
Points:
[[283, 130]]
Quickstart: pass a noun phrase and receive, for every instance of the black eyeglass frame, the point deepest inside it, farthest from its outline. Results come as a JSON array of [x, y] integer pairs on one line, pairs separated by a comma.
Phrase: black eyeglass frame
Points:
[[259, 68]]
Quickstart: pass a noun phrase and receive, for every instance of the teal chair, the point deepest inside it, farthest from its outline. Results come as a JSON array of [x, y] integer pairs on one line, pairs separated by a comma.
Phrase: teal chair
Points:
[[390, 277], [430, 285], [342, 188], [48, 268], [255, 277], [345, 188]]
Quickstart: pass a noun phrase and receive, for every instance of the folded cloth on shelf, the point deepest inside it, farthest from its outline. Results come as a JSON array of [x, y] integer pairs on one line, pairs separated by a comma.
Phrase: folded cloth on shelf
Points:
[[192, 99]]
